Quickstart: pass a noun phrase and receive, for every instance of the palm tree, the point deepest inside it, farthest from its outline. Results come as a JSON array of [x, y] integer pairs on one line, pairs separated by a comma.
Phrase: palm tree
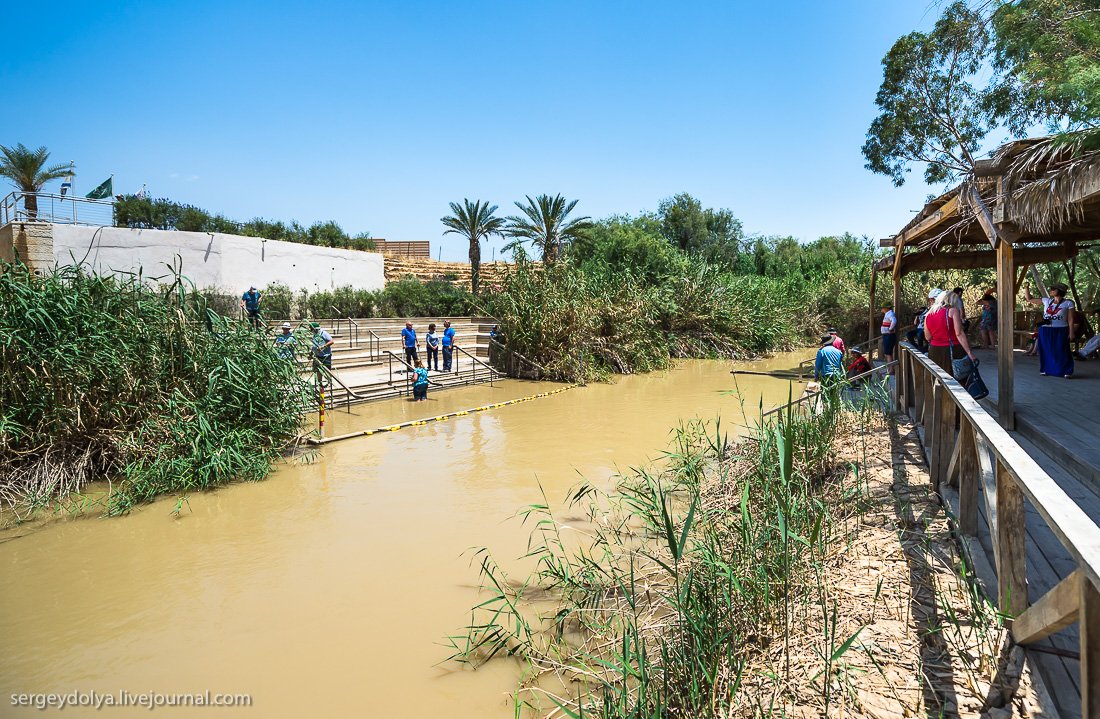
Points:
[[544, 223], [26, 168], [475, 221]]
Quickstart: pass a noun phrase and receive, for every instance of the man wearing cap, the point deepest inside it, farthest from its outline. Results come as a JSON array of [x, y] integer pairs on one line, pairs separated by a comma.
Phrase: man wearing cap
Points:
[[322, 345], [250, 302], [829, 363], [284, 342]]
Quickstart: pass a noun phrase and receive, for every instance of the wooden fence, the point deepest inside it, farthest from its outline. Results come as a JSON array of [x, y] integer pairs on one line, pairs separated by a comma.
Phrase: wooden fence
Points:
[[968, 450]]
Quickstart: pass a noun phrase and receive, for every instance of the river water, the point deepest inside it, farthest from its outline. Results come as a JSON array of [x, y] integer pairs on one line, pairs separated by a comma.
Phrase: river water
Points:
[[328, 589]]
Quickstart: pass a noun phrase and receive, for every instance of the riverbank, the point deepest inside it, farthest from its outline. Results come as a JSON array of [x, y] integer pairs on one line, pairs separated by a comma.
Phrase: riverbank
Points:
[[806, 571]]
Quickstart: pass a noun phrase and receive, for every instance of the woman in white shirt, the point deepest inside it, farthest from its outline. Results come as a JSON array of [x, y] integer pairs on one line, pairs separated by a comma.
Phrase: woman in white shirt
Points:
[[1055, 331]]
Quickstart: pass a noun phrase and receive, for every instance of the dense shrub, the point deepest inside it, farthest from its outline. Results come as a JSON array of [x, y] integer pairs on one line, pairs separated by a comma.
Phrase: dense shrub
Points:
[[106, 378], [162, 214]]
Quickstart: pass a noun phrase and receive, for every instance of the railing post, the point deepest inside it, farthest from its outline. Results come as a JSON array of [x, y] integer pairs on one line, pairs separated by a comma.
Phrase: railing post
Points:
[[968, 481], [1089, 618], [1012, 557], [931, 414]]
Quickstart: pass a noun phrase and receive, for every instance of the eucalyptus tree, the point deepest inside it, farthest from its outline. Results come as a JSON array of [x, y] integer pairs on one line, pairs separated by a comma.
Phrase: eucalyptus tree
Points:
[[546, 225], [27, 169], [930, 110], [476, 221]]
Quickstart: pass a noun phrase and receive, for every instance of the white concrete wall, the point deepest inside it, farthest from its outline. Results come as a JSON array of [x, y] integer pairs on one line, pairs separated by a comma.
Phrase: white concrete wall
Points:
[[231, 262]]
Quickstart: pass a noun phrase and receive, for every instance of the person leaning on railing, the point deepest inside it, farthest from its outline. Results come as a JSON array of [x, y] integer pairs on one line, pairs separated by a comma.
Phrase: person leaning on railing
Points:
[[943, 328]]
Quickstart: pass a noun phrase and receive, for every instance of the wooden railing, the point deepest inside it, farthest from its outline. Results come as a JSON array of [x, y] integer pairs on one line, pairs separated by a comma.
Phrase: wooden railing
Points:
[[967, 451]]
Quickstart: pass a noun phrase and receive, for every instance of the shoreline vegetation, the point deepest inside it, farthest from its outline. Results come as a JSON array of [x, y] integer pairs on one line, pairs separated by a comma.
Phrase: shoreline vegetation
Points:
[[806, 570]]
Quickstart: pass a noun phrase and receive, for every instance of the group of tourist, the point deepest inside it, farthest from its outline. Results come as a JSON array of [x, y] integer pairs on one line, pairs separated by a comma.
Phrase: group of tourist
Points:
[[434, 343], [941, 329], [829, 362]]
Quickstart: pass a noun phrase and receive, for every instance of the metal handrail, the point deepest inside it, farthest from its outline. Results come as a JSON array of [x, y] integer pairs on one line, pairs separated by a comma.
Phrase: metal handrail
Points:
[[373, 341], [492, 371], [810, 395], [517, 354], [10, 211], [354, 337], [319, 368]]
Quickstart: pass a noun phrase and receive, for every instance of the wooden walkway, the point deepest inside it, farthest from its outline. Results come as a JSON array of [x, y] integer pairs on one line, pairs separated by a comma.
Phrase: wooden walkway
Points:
[[1060, 416], [1058, 425]]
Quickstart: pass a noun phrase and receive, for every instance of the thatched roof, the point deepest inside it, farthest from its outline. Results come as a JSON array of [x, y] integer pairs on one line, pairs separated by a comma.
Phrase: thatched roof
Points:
[[1039, 192]]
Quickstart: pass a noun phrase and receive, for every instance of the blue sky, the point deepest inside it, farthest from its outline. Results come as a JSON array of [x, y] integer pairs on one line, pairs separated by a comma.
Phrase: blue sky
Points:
[[377, 115]]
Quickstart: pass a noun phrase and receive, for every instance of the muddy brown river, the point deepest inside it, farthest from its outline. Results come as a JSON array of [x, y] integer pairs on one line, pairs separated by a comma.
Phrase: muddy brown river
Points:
[[327, 590]]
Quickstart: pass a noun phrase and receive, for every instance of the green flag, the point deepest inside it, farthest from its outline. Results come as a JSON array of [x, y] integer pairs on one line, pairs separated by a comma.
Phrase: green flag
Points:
[[105, 190]]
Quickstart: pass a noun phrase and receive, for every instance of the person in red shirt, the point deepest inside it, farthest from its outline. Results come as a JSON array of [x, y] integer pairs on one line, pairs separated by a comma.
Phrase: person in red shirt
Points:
[[859, 365], [837, 341]]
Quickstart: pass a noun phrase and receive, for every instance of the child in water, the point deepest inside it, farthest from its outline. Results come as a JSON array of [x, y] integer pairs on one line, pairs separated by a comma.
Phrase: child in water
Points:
[[420, 386]]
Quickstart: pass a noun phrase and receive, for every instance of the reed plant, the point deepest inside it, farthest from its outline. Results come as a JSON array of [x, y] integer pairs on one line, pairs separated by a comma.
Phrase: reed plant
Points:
[[685, 583], [107, 378]]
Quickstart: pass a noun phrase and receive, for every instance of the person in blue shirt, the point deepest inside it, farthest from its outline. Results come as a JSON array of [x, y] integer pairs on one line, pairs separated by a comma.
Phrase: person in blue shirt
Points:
[[420, 384], [284, 343], [829, 363], [448, 344], [250, 303], [408, 341], [431, 345], [322, 345]]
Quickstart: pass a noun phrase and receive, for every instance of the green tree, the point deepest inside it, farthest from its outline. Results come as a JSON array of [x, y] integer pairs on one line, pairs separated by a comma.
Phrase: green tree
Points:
[[546, 225], [27, 169], [1047, 53], [712, 234], [930, 110], [475, 221]]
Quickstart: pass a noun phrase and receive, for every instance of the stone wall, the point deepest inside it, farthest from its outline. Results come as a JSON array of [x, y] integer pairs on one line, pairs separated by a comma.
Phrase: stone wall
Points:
[[230, 262], [457, 273], [32, 242]]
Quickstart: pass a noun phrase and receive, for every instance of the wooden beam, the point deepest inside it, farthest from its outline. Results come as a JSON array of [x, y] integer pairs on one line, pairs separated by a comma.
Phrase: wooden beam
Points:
[[1006, 296], [1054, 612], [1089, 617], [946, 211], [985, 218], [972, 260]]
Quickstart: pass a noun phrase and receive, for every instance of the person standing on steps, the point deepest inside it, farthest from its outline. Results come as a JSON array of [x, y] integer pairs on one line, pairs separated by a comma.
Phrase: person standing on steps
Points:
[[431, 346], [408, 341], [284, 342], [448, 345], [322, 345], [250, 303]]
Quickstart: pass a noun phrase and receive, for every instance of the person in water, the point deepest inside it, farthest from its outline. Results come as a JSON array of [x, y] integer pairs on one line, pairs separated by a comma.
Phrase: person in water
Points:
[[420, 385]]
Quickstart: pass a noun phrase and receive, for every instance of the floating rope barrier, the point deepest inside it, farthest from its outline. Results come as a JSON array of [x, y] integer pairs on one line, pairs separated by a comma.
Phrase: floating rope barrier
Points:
[[437, 418]]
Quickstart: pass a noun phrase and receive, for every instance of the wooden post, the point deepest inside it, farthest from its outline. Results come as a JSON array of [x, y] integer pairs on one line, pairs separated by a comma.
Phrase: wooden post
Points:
[[1012, 558], [900, 401], [1006, 310], [968, 481], [1089, 617], [897, 298], [931, 431], [871, 318]]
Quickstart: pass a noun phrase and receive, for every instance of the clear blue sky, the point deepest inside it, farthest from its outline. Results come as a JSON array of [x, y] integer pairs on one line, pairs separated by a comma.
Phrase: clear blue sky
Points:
[[378, 114]]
